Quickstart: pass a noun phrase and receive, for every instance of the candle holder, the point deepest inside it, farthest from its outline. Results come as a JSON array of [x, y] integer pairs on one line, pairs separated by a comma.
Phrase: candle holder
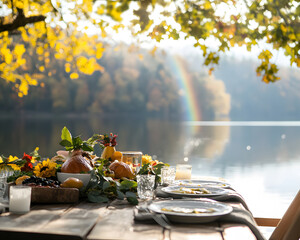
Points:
[[19, 199], [134, 159], [183, 171]]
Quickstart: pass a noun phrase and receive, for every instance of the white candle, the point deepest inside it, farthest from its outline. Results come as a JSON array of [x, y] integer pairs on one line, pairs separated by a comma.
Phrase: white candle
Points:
[[183, 171], [19, 199]]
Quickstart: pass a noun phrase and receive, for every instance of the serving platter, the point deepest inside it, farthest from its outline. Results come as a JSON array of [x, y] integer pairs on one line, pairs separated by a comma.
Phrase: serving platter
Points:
[[178, 191], [190, 211]]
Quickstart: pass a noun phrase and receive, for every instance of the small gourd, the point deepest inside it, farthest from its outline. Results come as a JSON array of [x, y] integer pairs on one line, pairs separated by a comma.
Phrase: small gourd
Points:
[[121, 169]]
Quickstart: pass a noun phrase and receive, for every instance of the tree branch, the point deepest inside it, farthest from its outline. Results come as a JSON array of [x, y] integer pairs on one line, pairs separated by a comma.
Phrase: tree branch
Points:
[[21, 21]]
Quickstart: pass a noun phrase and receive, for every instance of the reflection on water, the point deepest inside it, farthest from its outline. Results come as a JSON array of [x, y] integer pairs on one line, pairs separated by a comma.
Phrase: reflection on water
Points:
[[260, 160]]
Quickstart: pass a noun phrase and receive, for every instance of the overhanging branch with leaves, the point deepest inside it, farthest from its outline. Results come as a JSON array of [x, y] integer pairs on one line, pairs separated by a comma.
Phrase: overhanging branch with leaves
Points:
[[21, 21]]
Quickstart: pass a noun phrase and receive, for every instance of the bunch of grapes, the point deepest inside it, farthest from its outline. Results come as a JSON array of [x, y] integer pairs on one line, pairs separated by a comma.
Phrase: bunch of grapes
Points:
[[38, 181]]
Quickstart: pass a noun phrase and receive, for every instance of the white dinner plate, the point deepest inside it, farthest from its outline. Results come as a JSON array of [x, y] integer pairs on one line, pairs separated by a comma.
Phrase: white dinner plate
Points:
[[187, 206], [173, 191], [202, 183]]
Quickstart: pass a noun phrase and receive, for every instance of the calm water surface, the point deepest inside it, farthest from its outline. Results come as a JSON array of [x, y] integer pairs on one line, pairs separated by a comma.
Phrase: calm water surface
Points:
[[260, 159]]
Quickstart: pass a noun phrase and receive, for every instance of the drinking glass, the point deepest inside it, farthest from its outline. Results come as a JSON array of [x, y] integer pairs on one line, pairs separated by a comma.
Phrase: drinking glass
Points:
[[3, 186], [19, 199], [6, 172], [183, 171], [145, 188], [167, 175]]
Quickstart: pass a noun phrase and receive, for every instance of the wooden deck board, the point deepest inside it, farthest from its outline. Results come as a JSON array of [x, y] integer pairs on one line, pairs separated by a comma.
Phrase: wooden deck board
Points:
[[118, 224], [78, 221]]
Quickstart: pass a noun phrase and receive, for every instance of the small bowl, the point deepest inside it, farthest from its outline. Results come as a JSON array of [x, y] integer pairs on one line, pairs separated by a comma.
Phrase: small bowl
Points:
[[84, 177]]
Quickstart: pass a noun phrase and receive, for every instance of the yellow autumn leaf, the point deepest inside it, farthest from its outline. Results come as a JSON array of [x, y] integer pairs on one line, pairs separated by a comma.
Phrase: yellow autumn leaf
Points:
[[23, 34], [19, 4], [19, 50], [207, 5], [283, 28], [74, 76], [69, 58], [99, 50], [113, 12], [31, 31], [81, 61], [8, 57], [67, 67], [30, 80], [40, 50], [21, 61], [100, 10], [98, 67], [42, 68], [152, 52]]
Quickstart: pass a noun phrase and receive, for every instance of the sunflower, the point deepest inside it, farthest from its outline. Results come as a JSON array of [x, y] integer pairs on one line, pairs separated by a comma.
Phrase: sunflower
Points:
[[45, 169]]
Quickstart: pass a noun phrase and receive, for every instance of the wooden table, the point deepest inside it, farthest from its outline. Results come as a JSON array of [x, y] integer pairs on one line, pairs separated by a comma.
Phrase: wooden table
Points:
[[100, 221]]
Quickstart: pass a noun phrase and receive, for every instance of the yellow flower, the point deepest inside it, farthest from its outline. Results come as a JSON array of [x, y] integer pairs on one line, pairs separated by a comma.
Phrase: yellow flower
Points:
[[34, 159], [146, 159], [14, 167], [45, 169], [11, 158]]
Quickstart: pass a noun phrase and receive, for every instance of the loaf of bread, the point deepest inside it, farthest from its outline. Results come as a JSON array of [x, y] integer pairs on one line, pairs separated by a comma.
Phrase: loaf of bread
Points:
[[79, 162]]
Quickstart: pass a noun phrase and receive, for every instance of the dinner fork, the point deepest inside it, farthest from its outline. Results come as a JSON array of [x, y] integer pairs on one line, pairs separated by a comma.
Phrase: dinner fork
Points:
[[161, 219]]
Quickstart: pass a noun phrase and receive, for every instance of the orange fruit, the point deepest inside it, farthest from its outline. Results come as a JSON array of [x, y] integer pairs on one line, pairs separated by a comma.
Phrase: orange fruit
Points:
[[20, 180], [117, 156], [72, 182]]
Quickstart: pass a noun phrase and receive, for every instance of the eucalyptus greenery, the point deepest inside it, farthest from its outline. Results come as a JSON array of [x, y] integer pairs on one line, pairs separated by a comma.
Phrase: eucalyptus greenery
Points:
[[102, 189]]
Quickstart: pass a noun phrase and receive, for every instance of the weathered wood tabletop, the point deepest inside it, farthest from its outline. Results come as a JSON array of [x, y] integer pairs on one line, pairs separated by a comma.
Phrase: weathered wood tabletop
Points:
[[100, 221]]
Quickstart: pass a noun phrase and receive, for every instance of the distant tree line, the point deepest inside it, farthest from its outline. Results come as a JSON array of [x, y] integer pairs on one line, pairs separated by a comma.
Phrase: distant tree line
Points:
[[134, 81]]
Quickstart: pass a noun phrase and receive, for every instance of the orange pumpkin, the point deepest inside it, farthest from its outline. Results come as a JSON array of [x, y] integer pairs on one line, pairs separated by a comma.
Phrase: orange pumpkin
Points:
[[121, 169], [78, 162]]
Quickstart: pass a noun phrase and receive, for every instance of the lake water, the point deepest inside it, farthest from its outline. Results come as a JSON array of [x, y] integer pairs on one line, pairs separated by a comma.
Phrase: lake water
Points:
[[260, 159]]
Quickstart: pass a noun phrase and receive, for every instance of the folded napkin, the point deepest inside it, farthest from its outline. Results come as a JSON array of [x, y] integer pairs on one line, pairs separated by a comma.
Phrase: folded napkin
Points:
[[244, 217], [239, 216], [231, 196]]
